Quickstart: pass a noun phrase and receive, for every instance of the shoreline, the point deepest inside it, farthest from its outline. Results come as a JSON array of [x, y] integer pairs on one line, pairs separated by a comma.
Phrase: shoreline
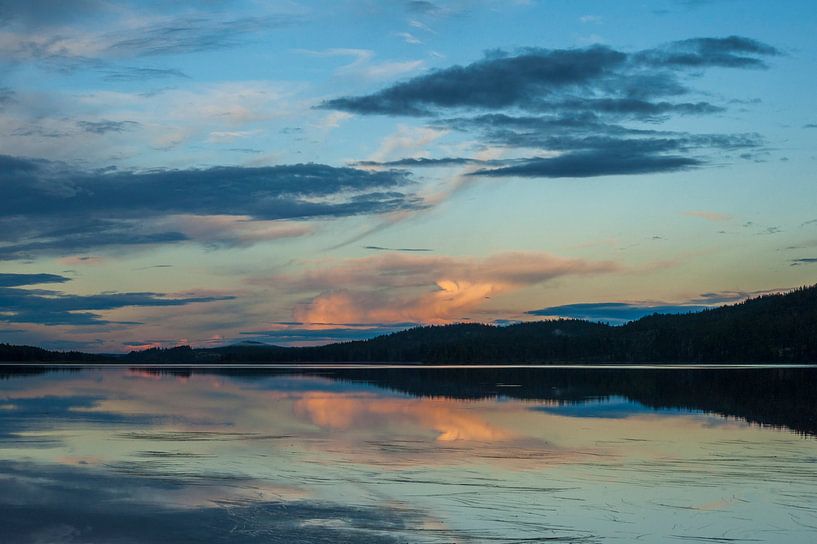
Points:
[[406, 366]]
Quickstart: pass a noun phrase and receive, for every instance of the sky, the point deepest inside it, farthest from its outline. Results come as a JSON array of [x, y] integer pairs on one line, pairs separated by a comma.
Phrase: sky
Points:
[[298, 173]]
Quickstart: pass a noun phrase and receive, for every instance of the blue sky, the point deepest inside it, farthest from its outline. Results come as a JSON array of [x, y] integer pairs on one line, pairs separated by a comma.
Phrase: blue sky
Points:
[[298, 172]]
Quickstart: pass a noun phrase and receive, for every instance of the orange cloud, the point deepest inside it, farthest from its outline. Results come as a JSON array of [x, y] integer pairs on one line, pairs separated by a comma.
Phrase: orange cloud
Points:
[[421, 288], [448, 418]]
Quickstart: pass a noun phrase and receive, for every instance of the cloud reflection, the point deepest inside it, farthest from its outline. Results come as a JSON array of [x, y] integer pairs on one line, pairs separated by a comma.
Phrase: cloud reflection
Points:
[[449, 418]]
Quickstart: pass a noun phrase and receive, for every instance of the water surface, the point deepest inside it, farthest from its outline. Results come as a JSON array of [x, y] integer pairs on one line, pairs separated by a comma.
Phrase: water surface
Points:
[[150, 455]]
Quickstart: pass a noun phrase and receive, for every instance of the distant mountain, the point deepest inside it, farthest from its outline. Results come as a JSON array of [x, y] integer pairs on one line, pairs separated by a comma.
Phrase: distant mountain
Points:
[[779, 328]]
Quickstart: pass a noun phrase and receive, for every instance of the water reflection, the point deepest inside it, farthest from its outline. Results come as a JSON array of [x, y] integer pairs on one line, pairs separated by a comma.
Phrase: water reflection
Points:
[[418, 455]]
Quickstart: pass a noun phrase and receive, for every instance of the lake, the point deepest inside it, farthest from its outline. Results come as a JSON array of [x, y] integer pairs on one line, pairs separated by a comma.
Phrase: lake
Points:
[[427, 455]]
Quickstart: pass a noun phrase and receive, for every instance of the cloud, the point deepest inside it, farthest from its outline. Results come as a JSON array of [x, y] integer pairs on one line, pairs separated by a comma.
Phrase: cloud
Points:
[[422, 162], [81, 260], [231, 230], [364, 66], [447, 418], [591, 19], [36, 13], [714, 217], [105, 126], [135, 73], [622, 312], [492, 83], [409, 38], [730, 52], [614, 312], [396, 288], [113, 503], [52, 207], [48, 307], [534, 77], [594, 163], [576, 106], [17, 280], [193, 35], [409, 249], [43, 122], [404, 139], [721, 297], [85, 47], [421, 7], [803, 261], [6, 96]]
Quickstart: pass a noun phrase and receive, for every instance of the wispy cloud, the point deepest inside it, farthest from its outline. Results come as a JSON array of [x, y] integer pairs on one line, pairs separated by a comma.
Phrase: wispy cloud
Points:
[[364, 64]]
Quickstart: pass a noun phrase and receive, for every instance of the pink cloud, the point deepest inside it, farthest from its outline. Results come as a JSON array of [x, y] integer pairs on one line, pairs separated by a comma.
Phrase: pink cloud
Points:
[[425, 289], [714, 217]]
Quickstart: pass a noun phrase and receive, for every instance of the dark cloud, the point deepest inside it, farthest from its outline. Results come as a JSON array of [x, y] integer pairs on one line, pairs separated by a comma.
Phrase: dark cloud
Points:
[[17, 280], [47, 206], [810, 125], [421, 7], [35, 130], [105, 126], [589, 164], [46, 307], [41, 187], [593, 148], [495, 82], [25, 236], [806, 260], [154, 266], [721, 297], [580, 102], [421, 162], [594, 78], [6, 96], [730, 52], [614, 312], [408, 249], [590, 147], [141, 74]]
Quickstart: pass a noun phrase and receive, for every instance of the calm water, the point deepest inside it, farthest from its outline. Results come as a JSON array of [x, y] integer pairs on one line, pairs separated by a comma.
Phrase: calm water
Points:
[[408, 455]]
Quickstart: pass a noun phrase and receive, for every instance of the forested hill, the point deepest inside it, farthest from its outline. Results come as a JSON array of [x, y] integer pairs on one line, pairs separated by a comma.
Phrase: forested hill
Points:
[[770, 329], [25, 354]]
